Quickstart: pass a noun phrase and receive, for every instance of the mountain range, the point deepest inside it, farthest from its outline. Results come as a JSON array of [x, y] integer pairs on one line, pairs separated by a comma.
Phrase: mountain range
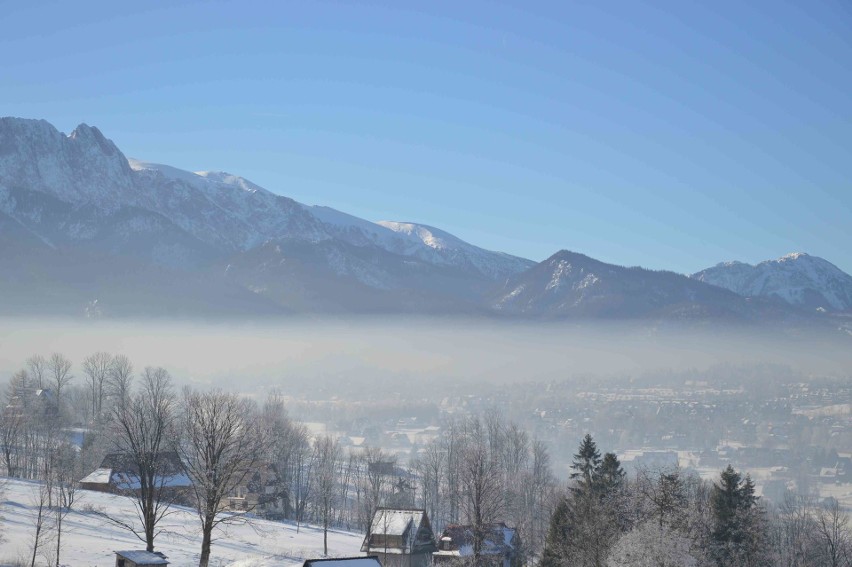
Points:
[[85, 230]]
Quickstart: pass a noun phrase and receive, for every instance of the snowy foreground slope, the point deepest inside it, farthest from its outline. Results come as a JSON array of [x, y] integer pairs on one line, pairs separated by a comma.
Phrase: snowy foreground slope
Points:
[[89, 540]]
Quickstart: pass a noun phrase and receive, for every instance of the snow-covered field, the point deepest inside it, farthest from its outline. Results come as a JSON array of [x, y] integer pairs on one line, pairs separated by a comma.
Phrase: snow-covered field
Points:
[[90, 540]]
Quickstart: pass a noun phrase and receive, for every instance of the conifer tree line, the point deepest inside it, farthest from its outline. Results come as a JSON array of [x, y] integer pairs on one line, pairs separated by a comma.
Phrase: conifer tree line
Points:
[[669, 518], [479, 471]]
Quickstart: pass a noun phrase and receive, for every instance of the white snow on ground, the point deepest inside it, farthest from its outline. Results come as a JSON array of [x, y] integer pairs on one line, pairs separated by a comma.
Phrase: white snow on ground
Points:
[[90, 540]]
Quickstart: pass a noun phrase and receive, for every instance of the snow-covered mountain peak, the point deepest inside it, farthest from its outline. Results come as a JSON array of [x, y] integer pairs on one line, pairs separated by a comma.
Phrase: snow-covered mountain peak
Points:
[[793, 256], [430, 236], [796, 278], [83, 167]]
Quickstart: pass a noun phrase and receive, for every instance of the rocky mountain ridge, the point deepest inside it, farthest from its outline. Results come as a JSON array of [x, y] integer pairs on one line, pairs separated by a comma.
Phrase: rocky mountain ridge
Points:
[[83, 229]]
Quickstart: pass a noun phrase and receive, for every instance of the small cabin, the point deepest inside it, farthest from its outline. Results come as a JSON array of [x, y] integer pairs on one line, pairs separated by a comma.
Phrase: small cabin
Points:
[[369, 561], [139, 558], [400, 537]]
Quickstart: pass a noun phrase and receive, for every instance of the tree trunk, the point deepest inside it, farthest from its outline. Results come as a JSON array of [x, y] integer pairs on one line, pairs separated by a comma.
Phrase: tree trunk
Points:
[[205, 544], [325, 535], [58, 534], [149, 530]]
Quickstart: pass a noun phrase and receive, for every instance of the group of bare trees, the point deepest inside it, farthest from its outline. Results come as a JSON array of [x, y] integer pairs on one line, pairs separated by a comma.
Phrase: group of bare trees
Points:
[[482, 471], [479, 471], [215, 437]]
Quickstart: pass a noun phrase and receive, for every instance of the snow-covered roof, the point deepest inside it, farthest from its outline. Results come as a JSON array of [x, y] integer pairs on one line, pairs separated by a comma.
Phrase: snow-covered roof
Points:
[[142, 557], [399, 531], [371, 561], [395, 522], [131, 482], [499, 540], [100, 476]]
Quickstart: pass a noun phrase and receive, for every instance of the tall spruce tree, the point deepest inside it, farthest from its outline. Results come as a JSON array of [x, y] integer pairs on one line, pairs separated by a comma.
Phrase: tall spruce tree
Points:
[[586, 463], [558, 536], [739, 530], [609, 476], [585, 525]]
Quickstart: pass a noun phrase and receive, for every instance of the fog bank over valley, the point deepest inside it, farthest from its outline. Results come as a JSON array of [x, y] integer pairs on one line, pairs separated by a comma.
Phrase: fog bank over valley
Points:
[[312, 357]]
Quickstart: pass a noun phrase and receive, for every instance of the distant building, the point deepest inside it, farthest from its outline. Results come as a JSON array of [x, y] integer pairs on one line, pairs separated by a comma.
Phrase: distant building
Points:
[[118, 474], [260, 492], [501, 546], [369, 561], [400, 537], [136, 558]]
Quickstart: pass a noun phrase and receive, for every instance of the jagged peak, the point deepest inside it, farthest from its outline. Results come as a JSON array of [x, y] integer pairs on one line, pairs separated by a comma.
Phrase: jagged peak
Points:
[[793, 256], [90, 134]]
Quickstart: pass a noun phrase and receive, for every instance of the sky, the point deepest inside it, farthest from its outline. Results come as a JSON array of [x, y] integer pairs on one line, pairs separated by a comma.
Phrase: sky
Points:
[[671, 135]]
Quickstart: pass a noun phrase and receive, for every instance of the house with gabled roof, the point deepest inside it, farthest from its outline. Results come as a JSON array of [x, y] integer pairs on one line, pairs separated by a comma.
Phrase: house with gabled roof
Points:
[[369, 561], [140, 558], [400, 537], [501, 546], [119, 474]]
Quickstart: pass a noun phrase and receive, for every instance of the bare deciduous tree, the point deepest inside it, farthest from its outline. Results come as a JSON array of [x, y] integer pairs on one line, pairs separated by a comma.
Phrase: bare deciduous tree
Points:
[[481, 481], [37, 365], [96, 367], [832, 534], [66, 473], [327, 451], [59, 372], [41, 502], [143, 431], [222, 442], [120, 379], [287, 439]]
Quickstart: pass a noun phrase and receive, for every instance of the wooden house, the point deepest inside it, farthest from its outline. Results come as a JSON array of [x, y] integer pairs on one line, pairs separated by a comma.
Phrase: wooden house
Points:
[[369, 561], [501, 546], [400, 537], [139, 558], [118, 474]]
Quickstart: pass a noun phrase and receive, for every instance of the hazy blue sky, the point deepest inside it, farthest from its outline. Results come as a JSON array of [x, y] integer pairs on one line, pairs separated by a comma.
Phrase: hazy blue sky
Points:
[[668, 134]]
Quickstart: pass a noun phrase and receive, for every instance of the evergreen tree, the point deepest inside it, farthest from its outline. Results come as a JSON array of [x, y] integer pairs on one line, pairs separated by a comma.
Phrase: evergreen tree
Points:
[[739, 531], [609, 476], [586, 463], [558, 535], [585, 525]]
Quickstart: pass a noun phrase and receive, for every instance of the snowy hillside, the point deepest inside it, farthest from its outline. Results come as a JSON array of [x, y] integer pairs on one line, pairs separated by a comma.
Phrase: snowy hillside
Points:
[[798, 279], [90, 540]]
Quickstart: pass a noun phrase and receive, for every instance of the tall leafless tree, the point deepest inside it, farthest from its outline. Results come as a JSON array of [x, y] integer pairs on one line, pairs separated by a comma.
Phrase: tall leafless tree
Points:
[[431, 471], [97, 367], [66, 472], [143, 432], [222, 442], [38, 370], [120, 379], [832, 534], [287, 439], [59, 373], [481, 481], [327, 451]]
